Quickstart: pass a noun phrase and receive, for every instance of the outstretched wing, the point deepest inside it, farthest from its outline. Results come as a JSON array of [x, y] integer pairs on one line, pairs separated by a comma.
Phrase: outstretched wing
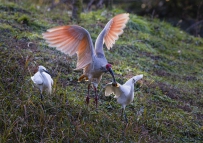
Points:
[[72, 39], [111, 31], [110, 89]]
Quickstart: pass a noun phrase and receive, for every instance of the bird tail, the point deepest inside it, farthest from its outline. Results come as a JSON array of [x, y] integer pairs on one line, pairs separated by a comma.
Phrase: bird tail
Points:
[[50, 87]]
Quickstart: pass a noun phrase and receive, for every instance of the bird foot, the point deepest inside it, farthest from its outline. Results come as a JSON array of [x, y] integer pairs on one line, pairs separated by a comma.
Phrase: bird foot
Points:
[[83, 77], [87, 100]]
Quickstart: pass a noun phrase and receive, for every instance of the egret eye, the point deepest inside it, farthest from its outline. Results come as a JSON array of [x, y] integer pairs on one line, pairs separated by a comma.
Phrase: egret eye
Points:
[[134, 80]]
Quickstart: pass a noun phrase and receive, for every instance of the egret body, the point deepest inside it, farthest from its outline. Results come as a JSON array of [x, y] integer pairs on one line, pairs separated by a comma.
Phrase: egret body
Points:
[[42, 80], [123, 93]]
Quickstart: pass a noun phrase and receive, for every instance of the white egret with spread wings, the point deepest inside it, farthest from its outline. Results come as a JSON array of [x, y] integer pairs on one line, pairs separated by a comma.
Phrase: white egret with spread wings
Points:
[[123, 93]]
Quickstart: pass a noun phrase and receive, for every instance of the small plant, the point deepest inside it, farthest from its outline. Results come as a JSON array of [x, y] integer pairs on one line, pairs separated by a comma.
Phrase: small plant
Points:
[[24, 19]]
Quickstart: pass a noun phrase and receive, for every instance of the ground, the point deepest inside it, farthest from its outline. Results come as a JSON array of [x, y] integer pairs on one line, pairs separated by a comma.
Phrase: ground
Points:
[[168, 104]]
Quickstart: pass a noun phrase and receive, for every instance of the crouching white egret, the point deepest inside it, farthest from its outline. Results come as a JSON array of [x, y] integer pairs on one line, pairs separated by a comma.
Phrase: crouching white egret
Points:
[[123, 93], [42, 79]]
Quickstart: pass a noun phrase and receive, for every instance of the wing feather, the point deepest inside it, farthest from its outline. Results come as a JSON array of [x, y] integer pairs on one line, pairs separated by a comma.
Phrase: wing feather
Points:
[[37, 78], [72, 40], [110, 89], [111, 32], [117, 25]]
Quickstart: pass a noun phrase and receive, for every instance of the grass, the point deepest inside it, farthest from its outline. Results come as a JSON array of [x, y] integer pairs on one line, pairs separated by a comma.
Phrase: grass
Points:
[[167, 106]]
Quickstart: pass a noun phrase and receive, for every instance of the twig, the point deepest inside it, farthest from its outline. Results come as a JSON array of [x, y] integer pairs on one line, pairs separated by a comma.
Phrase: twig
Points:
[[194, 25]]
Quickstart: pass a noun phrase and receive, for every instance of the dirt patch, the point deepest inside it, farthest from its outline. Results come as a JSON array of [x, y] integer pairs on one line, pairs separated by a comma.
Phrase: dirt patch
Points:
[[153, 57], [190, 78], [169, 90], [162, 73], [13, 9], [185, 108]]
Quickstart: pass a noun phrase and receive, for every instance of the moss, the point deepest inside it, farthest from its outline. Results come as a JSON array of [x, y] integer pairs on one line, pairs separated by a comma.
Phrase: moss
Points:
[[139, 24], [24, 19], [6, 27]]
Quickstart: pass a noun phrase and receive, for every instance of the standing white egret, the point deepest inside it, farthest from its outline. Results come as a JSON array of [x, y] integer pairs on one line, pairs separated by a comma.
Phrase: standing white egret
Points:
[[123, 93], [43, 80], [73, 39]]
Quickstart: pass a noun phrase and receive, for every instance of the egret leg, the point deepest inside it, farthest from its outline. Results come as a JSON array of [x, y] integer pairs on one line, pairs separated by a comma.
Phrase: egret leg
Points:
[[122, 113], [96, 96], [41, 96], [43, 106], [125, 116], [88, 95], [126, 119]]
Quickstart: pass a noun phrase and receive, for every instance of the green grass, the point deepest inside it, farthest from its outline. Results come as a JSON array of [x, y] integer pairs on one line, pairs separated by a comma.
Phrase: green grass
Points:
[[168, 104]]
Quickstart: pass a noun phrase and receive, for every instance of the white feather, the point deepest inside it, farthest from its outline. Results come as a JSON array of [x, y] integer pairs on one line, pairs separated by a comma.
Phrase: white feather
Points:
[[43, 80], [123, 93]]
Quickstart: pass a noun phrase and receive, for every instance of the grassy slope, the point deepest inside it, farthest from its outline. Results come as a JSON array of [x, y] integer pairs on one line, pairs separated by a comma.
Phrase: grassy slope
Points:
[[168, 107]]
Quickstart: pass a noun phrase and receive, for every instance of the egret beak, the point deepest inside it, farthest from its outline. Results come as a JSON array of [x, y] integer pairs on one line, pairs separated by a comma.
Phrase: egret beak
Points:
[[112, 74], [47, 72]]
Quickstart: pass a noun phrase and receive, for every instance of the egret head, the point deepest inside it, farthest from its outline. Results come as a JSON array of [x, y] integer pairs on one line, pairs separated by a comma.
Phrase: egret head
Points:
[[136, 78], [43, 69]]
